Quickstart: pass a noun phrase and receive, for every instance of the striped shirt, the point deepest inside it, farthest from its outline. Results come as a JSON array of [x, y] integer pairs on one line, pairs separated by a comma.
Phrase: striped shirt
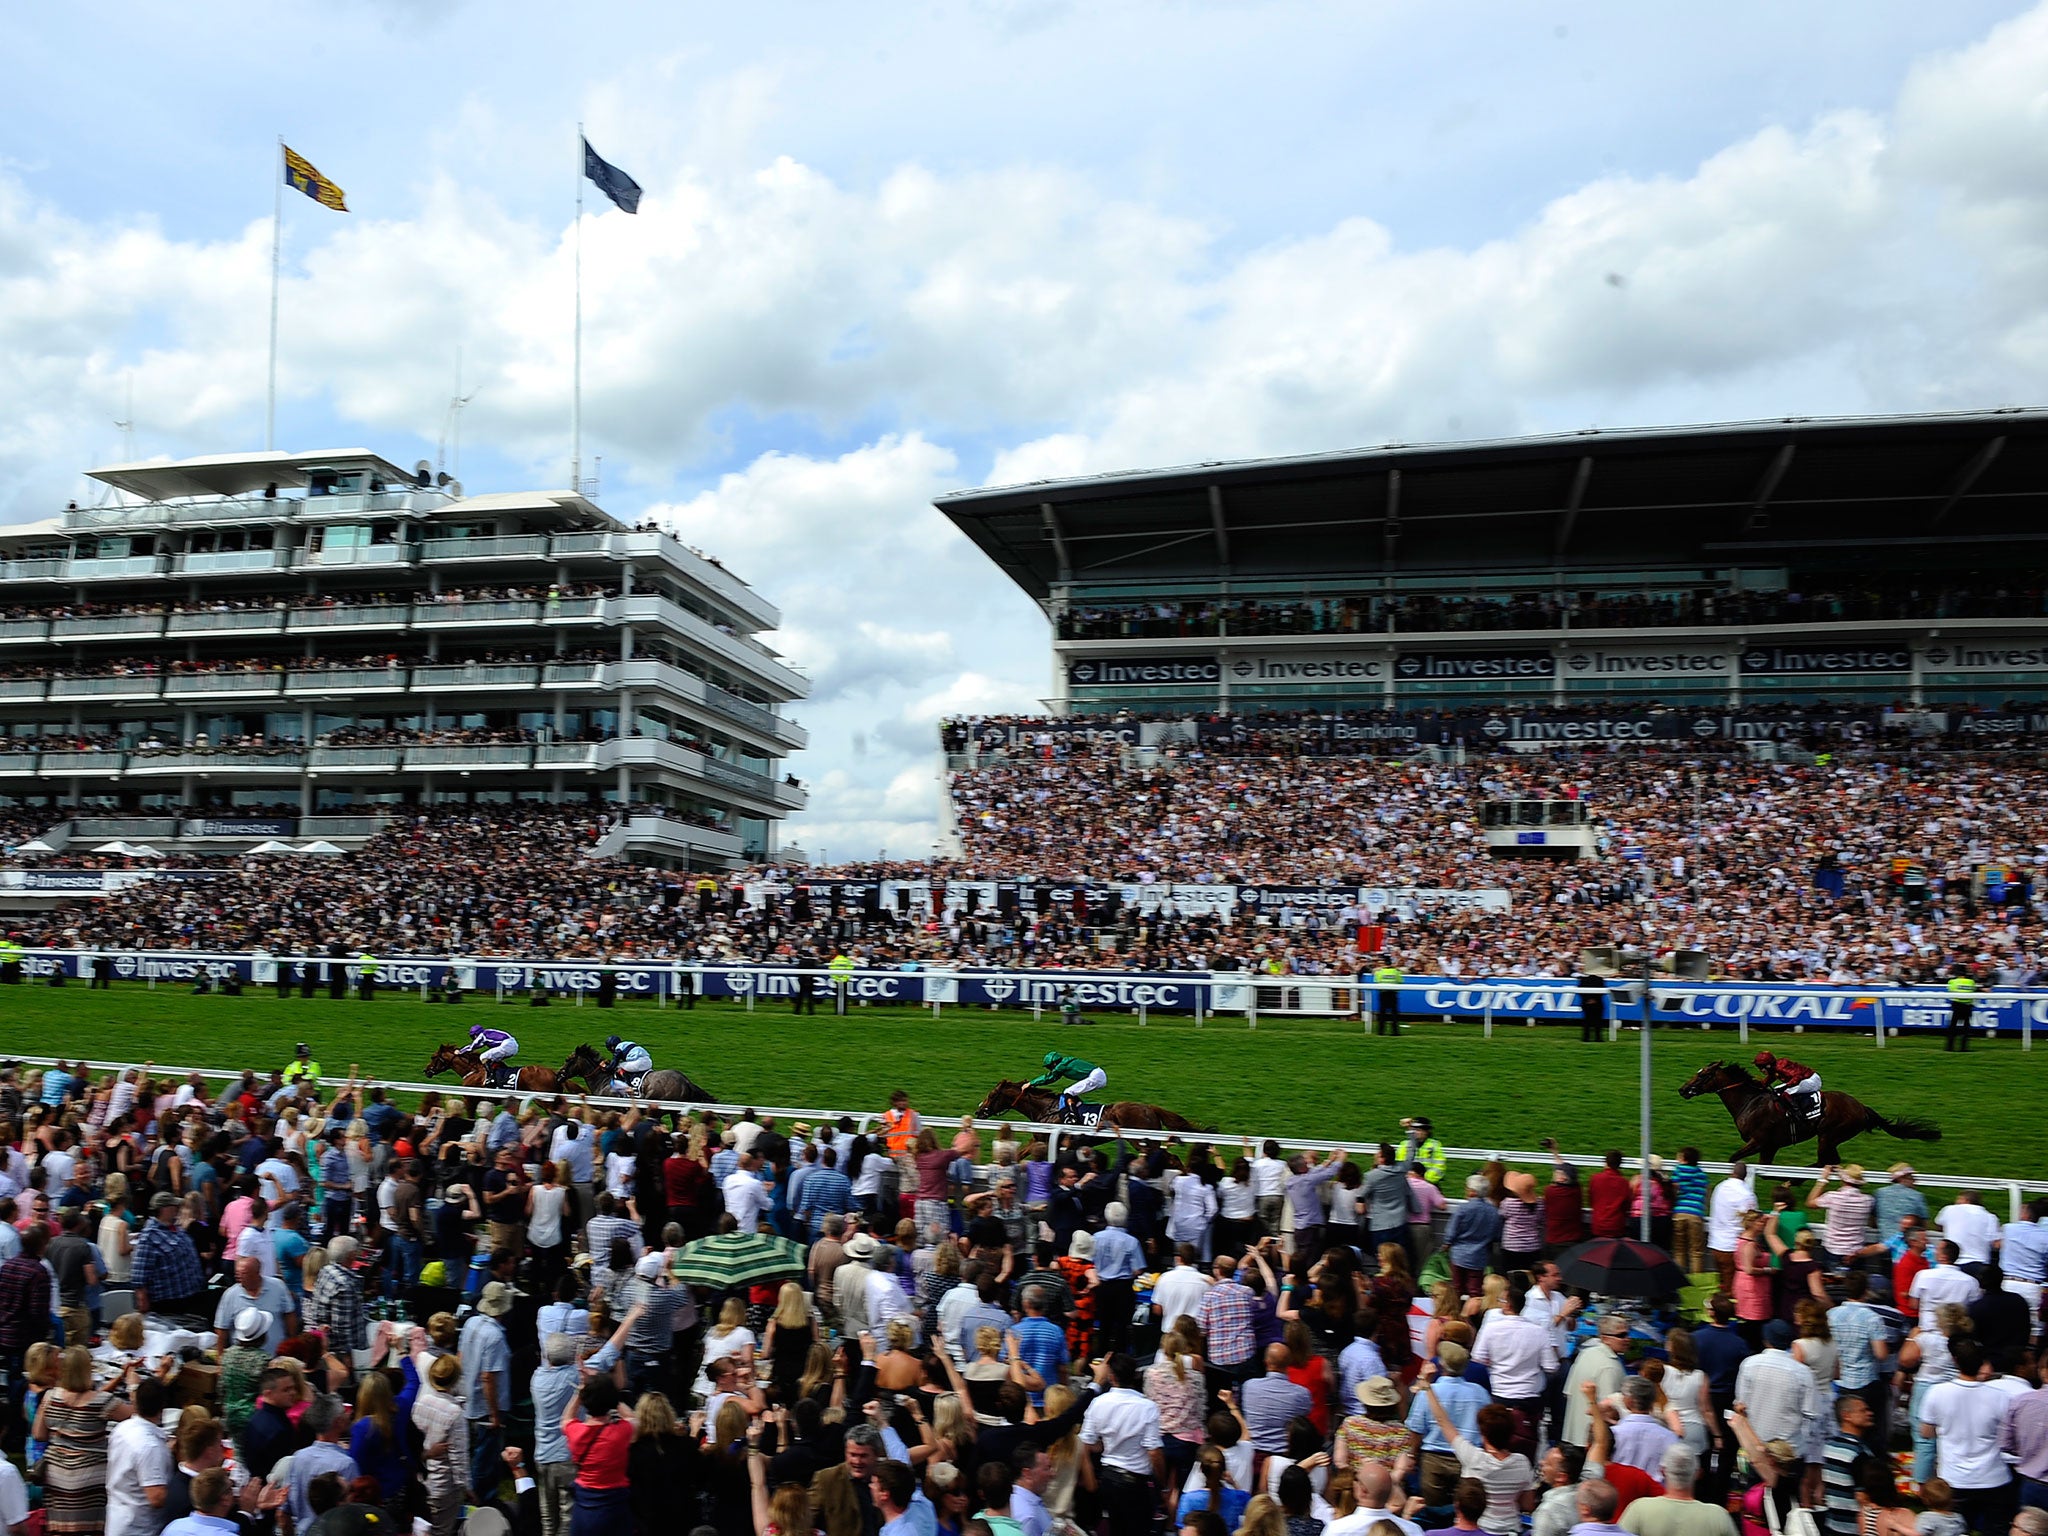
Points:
[[1855, 1328], [1689, 1180]]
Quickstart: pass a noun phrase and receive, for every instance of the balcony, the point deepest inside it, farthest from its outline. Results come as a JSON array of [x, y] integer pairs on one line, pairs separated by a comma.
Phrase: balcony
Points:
[[352, 616], [218, 685], [141, 829], [661, 834], [491, 756], [23, 631], [14, 689], [713, 578], [475, 676], [215, 562], [580, 544], [107, 626], [31, 570], [342, 826], [750, 658], [346, 680], [428, 615], [162, 764], [18, 765], [353, 760], [565, 754], [357, 555], [573, 610], [139, 686], [362, 503], [574, 674], [517, 546], [238, 621], [81, 764], [123, 568]]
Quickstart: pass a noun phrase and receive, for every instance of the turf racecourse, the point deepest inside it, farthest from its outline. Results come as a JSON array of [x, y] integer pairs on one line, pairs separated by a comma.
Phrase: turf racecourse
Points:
[[1313, 1078]]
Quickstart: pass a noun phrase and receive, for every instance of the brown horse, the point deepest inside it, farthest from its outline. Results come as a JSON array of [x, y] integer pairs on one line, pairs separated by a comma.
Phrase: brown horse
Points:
[[462, 1060], [1767, 1124], [1042, 1106], [663, 1084]]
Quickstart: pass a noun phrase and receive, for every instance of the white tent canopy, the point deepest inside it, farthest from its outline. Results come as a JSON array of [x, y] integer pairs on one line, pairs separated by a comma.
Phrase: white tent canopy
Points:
[[270, 845], [320, 846], [34, 845]]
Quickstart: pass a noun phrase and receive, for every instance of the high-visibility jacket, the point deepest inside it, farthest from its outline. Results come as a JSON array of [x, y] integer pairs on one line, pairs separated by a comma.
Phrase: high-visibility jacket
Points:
[[368, 964], [309, 1070], [899, 1131], [1961, 986], [1387, 976], [1431, 1155], [11, 953], [842, 968]]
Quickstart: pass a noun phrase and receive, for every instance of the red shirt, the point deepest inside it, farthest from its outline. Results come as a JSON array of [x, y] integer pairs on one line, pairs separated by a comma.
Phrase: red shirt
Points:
[[1564, 1219], [1903, 1275], [1631, 1483], [599, 1451], [1610, 1196]]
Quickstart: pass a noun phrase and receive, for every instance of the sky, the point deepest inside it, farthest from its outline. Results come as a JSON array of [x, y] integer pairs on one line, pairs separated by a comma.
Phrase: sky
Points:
[[890, 250]]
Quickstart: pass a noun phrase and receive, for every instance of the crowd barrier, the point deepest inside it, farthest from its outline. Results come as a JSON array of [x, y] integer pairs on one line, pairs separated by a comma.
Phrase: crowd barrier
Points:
[[2016, 1191], [1879, 1012]]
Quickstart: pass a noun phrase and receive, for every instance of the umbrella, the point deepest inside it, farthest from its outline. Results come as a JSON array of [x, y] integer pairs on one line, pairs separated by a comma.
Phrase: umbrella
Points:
[[734, 1259], [1621, 1266], [318, 846], [34, 845], [271, 845]]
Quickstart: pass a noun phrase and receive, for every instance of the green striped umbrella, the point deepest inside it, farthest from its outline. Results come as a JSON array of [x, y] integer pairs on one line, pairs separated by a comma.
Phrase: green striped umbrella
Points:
[[734, 1259]]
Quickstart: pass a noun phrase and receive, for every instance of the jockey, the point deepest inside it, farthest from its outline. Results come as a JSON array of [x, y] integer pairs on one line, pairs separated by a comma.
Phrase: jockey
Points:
[[495, 1049], [1087, 1078], [1800, 1084], [630, 1061]]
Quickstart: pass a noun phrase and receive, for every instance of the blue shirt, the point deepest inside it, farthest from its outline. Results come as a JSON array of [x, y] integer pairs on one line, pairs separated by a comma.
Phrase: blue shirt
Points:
[[1461, 1402], [1689, 1181], [483, 1348], [1270, 1404], [2023, 1255], [56, 1087], [1473, 1227], [826, 1192], [1042, 1345], [380, 1118], [1721, 1351], [553, 1386], [1117, 1254], [1361, 1359], [724, 1162], [1855, 1328]]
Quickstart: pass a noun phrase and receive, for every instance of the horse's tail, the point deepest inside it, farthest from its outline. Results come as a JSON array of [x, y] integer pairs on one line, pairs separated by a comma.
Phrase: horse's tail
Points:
[[1907, 1128]]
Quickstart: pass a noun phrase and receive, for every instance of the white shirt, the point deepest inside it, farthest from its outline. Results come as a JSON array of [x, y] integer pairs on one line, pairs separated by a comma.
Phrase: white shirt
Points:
[[13, 1495], [1235, 1200], [1944, 1282], [746, 1198], [255, 1243], [1519, 1354], [1972, 1229], [743, 1135], [1967, 1417], [1178, 1293], [57, 1167], [1194, 1206], [1124, 1426], [138, 1457], [1539, 1306], [1725, 1206], [1269, 1176], [387, 1191], [619, 1168], [575, 1150], [1363, 1520]]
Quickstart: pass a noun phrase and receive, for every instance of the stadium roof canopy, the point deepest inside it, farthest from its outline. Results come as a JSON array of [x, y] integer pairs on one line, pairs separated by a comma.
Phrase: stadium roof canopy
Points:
[[1880, 490]]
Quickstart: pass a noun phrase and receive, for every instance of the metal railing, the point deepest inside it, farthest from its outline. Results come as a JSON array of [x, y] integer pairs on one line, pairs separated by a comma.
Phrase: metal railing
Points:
[[137, 686], [325, 758], [488, 756], [92, 626], [226, 760], [475, 675], [206, 684], [493, 611], [503, 546], [235, 620], [23, 687], [24, 629], [349, 679], [207, 562], [352, 616]]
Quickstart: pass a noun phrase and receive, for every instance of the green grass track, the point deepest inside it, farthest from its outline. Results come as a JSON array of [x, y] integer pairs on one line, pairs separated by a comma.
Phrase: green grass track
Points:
[[1303, 1077]]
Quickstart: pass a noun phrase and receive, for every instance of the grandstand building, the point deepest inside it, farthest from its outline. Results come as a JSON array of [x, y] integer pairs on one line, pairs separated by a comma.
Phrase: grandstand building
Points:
[[278, 644], [1868, 563]]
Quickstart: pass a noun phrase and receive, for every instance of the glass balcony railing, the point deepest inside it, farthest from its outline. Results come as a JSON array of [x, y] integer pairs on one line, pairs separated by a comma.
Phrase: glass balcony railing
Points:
[[20, 631], [346, 680], [483, 675], [107, 626], [352, 616], [212, 562], [432, 615], [138, 686], [531, 546], [195, 685], [228, 621]]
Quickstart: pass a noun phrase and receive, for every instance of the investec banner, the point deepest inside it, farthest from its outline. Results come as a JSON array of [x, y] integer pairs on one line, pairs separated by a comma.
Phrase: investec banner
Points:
[[1992, 655], [1448, 666], [1305, 666], [1825, 660], [1007, 737], [1665, 725], [1600, 663], [1143, 671]]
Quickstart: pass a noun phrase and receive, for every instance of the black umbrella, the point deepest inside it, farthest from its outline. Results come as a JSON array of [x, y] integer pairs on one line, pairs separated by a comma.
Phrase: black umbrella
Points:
[[1621, 1266]]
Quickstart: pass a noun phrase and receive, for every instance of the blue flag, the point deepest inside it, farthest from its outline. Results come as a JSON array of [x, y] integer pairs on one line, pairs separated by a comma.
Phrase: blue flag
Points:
[[611, 181]]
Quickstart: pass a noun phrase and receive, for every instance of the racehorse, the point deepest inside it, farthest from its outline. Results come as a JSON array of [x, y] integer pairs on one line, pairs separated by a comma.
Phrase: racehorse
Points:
[[474, 1073], [588, 1065], [1043, 1106], [1768, 1125]]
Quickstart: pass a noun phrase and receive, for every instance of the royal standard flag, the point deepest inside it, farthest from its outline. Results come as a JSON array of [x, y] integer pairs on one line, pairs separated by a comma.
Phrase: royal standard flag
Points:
[[300, 174], [611, 181]]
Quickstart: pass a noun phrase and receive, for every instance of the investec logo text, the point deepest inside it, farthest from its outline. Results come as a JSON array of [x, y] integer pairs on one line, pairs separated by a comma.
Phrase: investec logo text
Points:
[[1643, 663], [1978, 658], [1450, 664], [784, 984], [1114, 673], [1260, 669], [1031, 989]]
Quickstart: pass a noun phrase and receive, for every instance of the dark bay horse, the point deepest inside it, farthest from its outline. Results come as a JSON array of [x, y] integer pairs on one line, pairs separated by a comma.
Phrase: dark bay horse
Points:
[[463, 1061], [586, 1064], [1043, 1106], [1765, 1122]]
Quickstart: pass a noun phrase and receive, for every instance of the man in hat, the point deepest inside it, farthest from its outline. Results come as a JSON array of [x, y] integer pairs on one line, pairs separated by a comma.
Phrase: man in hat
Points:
[[1899, 1198], [487, 1386], [663, 1309], [253, 1289], [165, 1269], [302, 1068], [1848, 1213]]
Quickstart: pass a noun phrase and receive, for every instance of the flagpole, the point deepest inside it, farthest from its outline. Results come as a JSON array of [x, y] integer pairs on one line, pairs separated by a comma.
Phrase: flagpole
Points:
[[576, 386], [276, 246]]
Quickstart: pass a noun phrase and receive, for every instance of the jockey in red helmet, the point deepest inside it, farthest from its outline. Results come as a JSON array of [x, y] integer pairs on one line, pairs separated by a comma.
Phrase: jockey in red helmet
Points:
[[1798, 1083]]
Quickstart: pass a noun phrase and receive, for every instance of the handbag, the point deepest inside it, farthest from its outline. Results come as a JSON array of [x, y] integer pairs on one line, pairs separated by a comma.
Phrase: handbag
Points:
[[1799, 1522]]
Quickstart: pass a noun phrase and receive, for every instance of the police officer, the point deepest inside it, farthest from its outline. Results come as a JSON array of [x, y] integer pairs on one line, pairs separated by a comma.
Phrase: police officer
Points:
[[11, 954], [1386, 999], [842, 969], [1429, 1152], [366, 976], [302, 1068], [1962, 990]]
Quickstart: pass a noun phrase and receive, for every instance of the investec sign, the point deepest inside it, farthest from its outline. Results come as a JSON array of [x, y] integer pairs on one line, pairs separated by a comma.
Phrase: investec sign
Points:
[[1822, 660], [1142, 671], [1997, 655], [1309, 666], [1646, 661], [1439, 666]]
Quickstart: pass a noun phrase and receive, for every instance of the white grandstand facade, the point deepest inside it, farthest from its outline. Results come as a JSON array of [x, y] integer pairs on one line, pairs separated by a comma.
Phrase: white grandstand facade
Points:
[[268, 645], [1896, 563]]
